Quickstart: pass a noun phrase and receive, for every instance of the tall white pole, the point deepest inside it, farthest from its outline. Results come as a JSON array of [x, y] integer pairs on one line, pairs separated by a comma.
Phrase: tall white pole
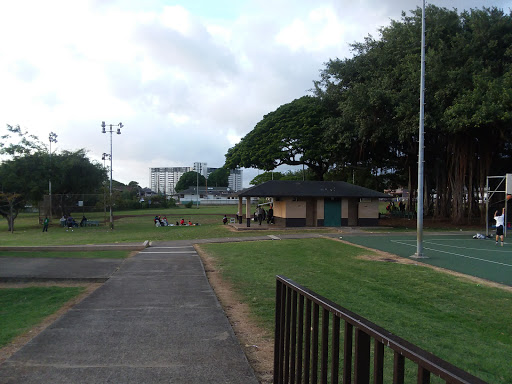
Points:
[[52, 138], [50, 179], [103, 126], [111, 217], [419, 228]]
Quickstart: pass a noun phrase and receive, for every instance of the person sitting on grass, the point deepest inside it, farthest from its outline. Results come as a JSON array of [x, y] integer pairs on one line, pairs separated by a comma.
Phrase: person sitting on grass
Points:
[[182, 222], [190, 223], [500, 222], [224, 220], [69, 222]]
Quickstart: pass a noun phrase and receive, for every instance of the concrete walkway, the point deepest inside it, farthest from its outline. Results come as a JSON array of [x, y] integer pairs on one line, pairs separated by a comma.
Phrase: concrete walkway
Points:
[[156, 320]]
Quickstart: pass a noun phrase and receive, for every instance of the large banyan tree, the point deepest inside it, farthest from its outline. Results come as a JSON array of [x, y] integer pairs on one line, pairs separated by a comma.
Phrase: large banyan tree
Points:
[[468, 111]]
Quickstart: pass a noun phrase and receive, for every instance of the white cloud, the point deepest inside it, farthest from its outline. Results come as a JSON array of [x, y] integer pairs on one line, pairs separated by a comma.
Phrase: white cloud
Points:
[[321, 29], [187, 80]]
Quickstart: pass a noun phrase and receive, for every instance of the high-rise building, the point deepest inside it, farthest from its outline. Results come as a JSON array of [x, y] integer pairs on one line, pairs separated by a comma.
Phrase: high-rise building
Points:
[[164, 180], [235, 179], [210, 170], [201, 168]]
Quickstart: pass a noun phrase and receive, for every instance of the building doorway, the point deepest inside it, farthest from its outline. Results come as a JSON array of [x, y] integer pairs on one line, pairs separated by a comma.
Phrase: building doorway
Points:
[[332, 212]]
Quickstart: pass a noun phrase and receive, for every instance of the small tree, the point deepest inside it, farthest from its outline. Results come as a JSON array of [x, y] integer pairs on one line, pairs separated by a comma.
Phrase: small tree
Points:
[[10, 205], [219, 178], [190, 179]]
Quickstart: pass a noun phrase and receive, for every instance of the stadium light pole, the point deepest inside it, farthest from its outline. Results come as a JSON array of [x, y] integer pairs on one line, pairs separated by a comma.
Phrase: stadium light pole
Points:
[[103, 126], [104, 157], [421, 144], [52, 137]]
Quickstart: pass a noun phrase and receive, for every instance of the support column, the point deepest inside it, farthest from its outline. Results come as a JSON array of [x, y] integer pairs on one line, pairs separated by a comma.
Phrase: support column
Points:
[[240, 208], [248, 210]]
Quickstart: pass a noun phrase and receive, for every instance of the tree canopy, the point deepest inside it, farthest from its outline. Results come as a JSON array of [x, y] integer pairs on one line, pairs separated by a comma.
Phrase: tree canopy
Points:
[[288, 175], [468, 104], [189, 179], [291, 135], [362, 123], [24, 178], [219, 178]]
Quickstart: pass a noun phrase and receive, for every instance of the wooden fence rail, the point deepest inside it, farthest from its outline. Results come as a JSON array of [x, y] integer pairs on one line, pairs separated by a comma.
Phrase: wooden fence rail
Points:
[[308, 345]]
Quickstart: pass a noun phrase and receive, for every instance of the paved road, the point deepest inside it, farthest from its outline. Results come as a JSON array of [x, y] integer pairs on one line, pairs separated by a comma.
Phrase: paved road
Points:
[[156, 320], [51, 269]]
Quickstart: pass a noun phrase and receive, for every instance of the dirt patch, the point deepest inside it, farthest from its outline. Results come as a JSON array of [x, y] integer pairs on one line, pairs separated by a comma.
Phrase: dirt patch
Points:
[[258, 344], [23, 339], [389, 257]]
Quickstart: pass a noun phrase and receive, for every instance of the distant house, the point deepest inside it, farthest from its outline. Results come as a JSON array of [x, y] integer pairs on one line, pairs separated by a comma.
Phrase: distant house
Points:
[[146, 192], [208, 196], [318, 203]]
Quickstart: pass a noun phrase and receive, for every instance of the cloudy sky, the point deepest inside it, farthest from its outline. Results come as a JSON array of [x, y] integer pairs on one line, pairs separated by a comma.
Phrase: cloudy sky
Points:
[[187, 79]]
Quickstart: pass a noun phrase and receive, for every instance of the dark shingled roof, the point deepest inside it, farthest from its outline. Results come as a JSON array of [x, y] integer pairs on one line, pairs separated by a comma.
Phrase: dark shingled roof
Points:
[[284, 188]]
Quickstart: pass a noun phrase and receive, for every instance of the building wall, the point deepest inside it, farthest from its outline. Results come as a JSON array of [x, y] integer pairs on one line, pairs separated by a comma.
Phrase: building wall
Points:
[[296, 213], [292, 213], [344, 209], [295, 209], [164, 179], [320, 209], [235, 179], [369, 209], [368, 213], [279, 208], [201, 168]]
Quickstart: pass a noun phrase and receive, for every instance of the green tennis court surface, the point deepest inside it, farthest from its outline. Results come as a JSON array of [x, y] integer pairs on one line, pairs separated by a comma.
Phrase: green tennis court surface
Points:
[[460, 253]]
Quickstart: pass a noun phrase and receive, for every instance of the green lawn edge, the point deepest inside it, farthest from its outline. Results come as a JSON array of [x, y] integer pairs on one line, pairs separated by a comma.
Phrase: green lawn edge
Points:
[[23, 308], [456, 319]]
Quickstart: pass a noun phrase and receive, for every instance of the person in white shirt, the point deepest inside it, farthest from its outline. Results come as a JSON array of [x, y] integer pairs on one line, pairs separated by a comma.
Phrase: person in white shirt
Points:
[[500, 222]]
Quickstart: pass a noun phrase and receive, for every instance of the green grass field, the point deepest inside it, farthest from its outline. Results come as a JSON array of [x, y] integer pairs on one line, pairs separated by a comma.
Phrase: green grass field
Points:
[[23, 308], [454, 318], [464, 323], [130, 227]]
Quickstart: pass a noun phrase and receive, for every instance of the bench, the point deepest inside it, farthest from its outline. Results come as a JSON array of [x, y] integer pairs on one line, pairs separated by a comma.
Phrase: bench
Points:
[[91, 223]]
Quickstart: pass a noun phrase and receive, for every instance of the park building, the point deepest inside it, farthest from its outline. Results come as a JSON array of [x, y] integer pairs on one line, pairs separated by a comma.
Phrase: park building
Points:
[[163, 180]]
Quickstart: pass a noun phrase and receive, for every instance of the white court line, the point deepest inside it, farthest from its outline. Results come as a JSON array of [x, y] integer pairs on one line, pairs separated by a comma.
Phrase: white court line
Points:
[[459, 247], [456, 254], [474, 249]]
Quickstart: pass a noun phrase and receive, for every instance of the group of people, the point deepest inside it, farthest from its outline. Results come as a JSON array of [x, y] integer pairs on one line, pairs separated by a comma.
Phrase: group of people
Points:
[[162, 222], [392, 207], [68, 222], [262, 215]]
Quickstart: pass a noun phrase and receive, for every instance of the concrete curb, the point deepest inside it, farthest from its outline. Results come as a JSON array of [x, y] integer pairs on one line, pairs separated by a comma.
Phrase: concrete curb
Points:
[[83, 247], [53, 280]]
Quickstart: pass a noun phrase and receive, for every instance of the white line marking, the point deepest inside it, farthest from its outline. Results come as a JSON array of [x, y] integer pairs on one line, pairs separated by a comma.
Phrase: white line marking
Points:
[[456, 254], [185, 246], [474, 249], [501, 250]]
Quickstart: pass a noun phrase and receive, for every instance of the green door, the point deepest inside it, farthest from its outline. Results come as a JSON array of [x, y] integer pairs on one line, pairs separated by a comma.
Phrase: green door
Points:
[[332, 212]]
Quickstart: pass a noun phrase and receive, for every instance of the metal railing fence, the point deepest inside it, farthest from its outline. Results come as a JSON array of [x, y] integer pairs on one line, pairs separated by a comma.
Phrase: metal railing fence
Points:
[[308, 338]]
